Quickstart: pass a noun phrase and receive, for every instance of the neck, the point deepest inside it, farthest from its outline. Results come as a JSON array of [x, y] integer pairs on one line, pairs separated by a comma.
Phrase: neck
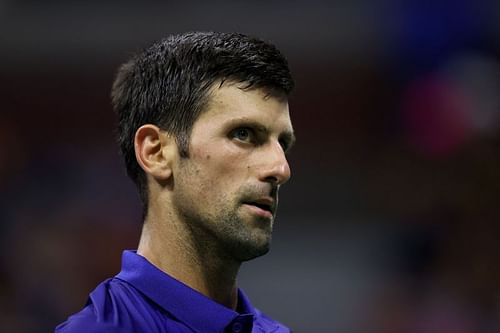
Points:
[[176, 250]]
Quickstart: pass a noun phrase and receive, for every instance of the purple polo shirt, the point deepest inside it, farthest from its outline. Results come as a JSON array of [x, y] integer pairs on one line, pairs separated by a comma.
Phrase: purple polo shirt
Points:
[[142, 298]]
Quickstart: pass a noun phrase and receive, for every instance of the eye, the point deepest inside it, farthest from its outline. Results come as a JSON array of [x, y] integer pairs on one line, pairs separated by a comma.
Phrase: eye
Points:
[[243, 134], [287, 141], [284, 145]]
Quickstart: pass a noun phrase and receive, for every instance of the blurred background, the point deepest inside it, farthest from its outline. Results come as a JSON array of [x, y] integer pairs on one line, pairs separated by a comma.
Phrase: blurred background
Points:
[[390, 223]]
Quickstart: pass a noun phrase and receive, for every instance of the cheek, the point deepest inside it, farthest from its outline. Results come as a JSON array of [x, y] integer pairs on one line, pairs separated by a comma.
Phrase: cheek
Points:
[[221, 166], [218, 158]]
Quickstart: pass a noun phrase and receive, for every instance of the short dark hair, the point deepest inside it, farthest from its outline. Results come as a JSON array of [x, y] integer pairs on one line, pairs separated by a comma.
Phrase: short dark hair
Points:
[[168, 85]]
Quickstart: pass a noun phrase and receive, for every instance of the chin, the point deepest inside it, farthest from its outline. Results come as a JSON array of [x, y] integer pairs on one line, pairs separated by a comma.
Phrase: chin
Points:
[[244, 238], [249, 255], [248, 250]]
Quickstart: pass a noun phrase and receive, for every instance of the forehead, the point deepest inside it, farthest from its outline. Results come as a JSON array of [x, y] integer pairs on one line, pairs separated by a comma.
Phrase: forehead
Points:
[[231, 102]]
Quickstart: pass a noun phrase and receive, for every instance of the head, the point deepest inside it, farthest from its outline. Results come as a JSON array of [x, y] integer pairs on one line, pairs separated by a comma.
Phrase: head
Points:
[[168, 85], [178, 85]]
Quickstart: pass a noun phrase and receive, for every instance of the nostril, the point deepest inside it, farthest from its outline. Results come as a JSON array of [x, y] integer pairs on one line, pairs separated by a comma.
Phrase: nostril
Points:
[[272, 179]]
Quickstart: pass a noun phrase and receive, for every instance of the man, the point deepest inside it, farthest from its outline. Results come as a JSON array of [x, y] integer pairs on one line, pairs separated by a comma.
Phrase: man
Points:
[[204, 128]]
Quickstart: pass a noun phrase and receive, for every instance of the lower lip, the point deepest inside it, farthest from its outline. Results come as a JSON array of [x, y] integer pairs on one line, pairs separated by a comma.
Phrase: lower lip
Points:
[[259, 211]]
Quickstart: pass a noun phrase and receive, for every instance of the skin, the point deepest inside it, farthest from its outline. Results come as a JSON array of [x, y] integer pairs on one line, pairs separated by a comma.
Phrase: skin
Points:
[[215, 209]]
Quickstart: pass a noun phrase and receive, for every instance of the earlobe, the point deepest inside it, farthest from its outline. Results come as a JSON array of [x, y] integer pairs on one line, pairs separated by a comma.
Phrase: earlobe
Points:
[[153, 151]]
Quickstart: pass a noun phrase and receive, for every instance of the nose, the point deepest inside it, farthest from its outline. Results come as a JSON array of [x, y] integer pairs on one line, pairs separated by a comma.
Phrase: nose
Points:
[[276, 169]]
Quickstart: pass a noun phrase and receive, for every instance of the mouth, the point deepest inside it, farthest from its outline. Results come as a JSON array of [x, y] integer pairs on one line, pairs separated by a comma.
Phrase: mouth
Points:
[[264, 207]]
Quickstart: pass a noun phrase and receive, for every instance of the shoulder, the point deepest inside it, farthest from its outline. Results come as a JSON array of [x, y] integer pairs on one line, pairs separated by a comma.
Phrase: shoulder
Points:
[[269, 325], [87, 321], [114, 306]]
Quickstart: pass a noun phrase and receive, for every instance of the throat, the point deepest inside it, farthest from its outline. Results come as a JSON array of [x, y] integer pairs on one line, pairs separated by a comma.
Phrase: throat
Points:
[[202, 268]]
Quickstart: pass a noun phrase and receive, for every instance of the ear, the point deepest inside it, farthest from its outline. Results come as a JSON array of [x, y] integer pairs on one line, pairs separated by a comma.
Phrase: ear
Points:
[[154, 150]]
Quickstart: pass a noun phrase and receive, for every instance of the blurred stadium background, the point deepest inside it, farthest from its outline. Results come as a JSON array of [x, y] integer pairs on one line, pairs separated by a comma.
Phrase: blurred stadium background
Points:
[[390, 223]]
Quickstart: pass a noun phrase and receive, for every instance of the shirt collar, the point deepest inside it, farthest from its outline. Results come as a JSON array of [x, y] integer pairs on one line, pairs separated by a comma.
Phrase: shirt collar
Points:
[[186, 304]]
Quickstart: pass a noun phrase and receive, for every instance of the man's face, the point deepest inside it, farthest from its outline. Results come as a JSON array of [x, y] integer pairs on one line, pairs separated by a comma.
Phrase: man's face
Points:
[[227, 190]]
